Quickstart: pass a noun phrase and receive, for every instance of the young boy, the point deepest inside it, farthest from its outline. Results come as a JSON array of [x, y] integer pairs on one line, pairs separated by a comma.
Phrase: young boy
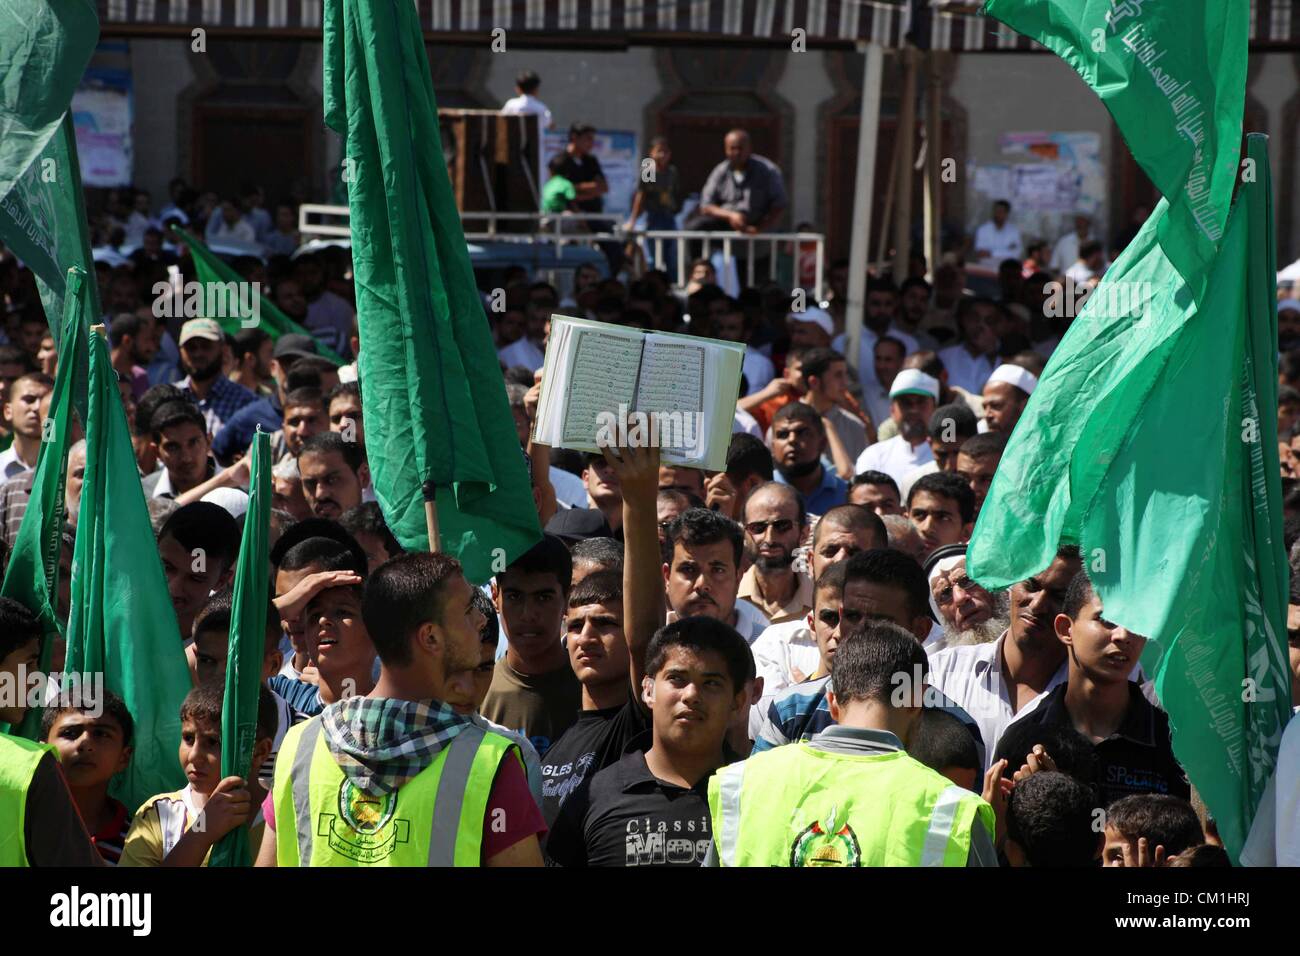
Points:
[[1149, 829], [945, 746], [91, 751], [942, 507], [180, 828], [211, 649], [1050, 822]]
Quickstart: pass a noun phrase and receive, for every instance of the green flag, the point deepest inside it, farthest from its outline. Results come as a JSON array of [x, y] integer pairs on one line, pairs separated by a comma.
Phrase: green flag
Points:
[[32, 578], [231, 298], [121, 622], [247, 643], [44, 49], [435, 403], [1143, 442]]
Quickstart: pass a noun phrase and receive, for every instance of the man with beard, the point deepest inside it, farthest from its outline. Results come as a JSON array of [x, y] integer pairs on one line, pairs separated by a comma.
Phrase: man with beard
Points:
[[403, 736], [132, 343], [775, 523], [798, 442], [253, 352], [997, 681], [1006, 394], [703, 573], [334, 474], [968, 613], [217, 397], [950, 426], [913, 397]]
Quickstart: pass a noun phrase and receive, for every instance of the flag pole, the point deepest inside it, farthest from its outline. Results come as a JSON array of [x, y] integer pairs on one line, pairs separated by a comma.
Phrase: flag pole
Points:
[[431, 515]]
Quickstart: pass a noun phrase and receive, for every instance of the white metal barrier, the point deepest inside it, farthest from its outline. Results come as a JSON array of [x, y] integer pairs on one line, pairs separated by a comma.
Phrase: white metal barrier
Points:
[[315, 220]]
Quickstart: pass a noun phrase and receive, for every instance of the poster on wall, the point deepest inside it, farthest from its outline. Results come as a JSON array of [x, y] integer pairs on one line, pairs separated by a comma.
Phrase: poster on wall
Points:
[[1047, 177], [617, 152], [101, 113]]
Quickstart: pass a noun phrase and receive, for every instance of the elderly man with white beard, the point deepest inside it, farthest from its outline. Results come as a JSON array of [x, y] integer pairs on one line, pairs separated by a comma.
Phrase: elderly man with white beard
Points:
[[967, 613]]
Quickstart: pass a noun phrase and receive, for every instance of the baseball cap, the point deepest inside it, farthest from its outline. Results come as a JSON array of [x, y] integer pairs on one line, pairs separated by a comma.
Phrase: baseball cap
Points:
[[817, 316], [201, 329], [912, 381], [1021, 378], [295, 345]]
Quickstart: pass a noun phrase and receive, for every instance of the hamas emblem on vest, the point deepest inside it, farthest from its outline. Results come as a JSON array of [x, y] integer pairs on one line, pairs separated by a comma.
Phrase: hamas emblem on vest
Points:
[[826, 845], [364, 829]]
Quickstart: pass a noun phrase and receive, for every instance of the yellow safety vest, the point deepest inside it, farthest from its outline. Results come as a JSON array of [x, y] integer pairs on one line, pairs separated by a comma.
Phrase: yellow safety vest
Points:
[[799, 806], [434, 819], [18, 761]]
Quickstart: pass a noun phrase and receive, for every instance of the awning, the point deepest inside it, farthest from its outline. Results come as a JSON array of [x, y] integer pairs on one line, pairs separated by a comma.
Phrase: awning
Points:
[[583, 23]]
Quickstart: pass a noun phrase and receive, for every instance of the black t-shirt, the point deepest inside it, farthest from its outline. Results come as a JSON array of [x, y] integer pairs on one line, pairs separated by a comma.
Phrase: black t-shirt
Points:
[[584, 170], [628, 817], [1137, 758], [595, 742]]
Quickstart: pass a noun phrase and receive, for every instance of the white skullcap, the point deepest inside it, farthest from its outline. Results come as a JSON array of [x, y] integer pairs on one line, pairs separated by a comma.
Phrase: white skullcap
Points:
[[1021, 378], [232, 499], [818, 317], [912, 381], [1292, 304]]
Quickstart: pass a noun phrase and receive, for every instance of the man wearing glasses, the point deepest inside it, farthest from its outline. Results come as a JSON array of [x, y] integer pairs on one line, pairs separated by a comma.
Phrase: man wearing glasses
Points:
[[775, 523]]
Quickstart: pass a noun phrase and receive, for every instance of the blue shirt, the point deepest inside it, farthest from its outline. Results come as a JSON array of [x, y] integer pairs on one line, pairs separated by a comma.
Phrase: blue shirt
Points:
[[225, 397], [803, 711], [833, 491], [237, 434]]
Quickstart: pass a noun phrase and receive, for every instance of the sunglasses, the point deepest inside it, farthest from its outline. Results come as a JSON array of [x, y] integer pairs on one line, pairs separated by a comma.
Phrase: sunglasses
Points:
[[780, 526]]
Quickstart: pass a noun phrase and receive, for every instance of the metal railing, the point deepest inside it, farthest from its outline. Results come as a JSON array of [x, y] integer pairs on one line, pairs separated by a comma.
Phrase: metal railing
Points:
[[570, 228]]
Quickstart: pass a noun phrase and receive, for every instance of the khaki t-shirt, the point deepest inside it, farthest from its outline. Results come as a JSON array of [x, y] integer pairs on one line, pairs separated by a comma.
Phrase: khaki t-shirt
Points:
[[539, 706]]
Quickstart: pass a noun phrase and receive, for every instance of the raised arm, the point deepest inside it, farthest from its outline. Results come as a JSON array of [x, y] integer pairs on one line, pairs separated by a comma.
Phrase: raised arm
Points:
[[643, 582]]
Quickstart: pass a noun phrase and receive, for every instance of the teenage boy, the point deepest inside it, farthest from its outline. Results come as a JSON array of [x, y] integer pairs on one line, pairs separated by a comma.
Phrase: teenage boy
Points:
[[534, 690], [1129, 735], [1049, 822], [942, 509], [650, 808], [790, 653], [180, 434], [180, 828], [92, 749], [198, 545]]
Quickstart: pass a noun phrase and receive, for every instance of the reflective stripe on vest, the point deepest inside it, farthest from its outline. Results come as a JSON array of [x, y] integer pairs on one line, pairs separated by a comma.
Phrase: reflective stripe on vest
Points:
[[800, 806], [447, 801], [732, 780], [942, 818], [19, 759]]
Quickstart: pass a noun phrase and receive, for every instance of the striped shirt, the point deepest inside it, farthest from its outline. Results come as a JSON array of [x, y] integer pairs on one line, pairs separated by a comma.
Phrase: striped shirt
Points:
[[302, 697], [112, 837]]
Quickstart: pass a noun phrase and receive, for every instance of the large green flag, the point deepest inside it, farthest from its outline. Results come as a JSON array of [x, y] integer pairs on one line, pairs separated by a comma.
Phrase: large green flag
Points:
[[247, 643], [231, 298], [121, 622], [32, 578], [44, 49], [436, 409], [1143, 443]]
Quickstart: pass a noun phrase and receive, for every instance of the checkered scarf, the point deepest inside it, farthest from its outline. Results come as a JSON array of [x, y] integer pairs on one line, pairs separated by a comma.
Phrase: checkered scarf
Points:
[[381, 743]]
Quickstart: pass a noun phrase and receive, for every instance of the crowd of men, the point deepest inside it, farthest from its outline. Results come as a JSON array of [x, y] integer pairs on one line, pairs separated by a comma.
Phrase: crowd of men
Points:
[[783, 662]]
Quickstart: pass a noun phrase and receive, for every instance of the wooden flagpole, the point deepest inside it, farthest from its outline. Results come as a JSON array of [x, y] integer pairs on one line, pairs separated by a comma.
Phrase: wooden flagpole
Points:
[[431, 515]]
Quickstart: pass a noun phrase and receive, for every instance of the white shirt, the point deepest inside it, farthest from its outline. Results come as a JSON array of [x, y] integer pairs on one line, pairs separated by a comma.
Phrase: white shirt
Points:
[[1004, 243], [867, 352], [1066, 251], [968, 371], [569, 488], [1080, 273], [11, 465], [747, 423], [750, 621], [971, 675], [782, 649], [528, 104], [1274, 838], [242, 232], [877, 401], [523, 352], [895, 456], [905, 486], [758, 370]]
